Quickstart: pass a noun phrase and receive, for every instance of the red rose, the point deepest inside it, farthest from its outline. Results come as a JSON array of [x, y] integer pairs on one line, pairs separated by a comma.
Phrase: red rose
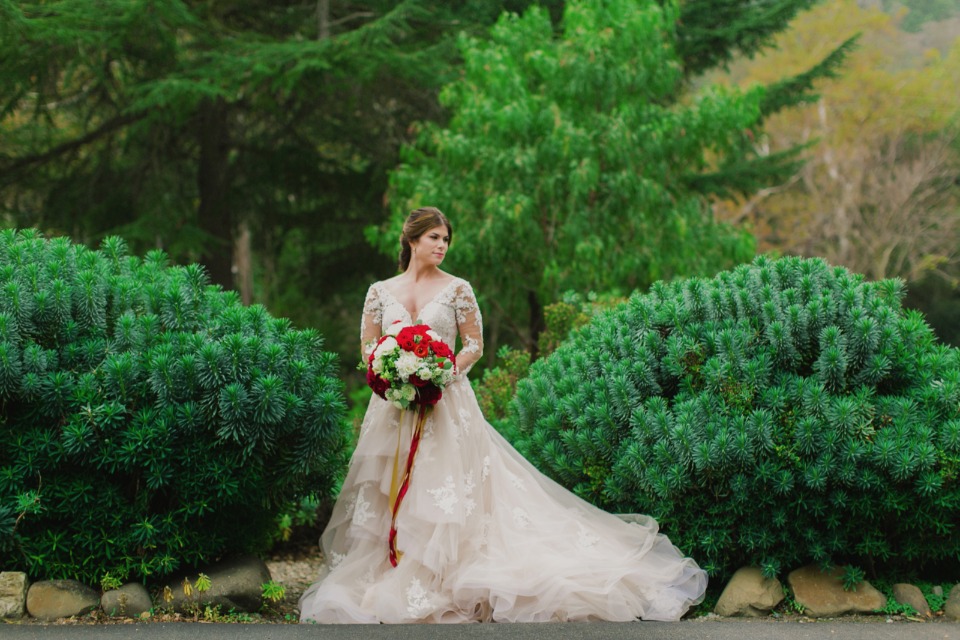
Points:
[[429, 395], [406, 342], [413, 331], [417, 381], [378, 384], [421, 349], [441, 349]]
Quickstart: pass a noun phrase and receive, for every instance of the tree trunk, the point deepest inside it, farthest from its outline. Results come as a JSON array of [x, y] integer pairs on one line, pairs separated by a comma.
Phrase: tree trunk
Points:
[[244, 263], [213, 183], [268, 264], [323, 19]]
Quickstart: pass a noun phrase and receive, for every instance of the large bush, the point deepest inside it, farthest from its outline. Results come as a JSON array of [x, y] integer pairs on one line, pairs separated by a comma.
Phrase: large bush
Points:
[[779, 413], [149, 420]]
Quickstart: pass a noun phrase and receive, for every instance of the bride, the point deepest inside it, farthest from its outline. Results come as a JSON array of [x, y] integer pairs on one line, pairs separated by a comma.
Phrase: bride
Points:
[[484, 536]]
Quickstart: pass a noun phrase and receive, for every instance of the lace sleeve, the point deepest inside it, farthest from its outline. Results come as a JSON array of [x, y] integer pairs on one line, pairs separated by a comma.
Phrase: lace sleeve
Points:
[[371, 321], [469, 326]]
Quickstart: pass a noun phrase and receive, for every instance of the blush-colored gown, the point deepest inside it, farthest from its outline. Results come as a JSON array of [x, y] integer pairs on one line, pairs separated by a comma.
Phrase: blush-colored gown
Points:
[[484, 535]]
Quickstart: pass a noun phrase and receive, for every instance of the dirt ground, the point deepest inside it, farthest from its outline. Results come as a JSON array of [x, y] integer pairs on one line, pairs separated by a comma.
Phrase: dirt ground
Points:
[[295, 567]]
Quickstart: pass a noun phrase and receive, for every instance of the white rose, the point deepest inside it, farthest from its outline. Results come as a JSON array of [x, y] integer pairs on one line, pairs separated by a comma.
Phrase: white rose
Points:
[[407, 364], [409, 392], [434, 335], [385, 347], [425, 374], [377, 365], [394, 329]]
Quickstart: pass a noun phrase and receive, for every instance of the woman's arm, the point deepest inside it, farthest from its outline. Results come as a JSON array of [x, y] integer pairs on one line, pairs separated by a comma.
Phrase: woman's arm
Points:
[[370, 322], [470, 327]]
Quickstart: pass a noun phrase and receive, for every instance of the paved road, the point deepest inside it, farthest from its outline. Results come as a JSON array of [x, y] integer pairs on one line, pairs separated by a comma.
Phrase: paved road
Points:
[[687, 630]]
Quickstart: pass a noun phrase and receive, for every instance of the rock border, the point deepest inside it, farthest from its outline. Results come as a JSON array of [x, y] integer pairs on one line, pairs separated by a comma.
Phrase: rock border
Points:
[[819, 593], [229, 586], [236, 588]]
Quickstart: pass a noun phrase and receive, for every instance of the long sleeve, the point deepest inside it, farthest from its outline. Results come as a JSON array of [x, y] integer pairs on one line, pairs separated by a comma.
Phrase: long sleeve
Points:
[[469, 326], [370, 322]]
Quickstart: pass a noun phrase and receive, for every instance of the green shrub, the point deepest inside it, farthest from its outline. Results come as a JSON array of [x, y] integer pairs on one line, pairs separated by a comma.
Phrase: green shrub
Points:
[[148, 420], [780, 413], [498, 385]]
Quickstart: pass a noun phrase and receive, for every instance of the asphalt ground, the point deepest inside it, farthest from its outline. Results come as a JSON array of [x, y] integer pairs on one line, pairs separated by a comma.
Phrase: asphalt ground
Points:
[[686, 630]]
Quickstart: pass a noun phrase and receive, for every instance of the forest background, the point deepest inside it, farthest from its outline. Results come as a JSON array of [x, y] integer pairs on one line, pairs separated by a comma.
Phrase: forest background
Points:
[[279, 143]]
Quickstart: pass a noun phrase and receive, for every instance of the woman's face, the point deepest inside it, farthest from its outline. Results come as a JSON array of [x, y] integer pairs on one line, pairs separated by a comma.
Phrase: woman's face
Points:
[[432, 245]]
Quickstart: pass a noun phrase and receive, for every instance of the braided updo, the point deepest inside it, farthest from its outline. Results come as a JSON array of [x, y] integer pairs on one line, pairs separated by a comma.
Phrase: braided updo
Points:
[[418, 223]]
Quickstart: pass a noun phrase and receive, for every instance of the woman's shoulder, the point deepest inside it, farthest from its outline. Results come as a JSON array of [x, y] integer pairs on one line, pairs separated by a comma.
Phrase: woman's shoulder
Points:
[[388, 285], [375, 291], [462, 282], [451, 279], [455, 287], [456, 291], [396, 282]]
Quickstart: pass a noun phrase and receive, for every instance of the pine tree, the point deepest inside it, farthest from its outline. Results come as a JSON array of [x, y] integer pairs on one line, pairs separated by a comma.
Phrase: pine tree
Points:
[[176, 123]]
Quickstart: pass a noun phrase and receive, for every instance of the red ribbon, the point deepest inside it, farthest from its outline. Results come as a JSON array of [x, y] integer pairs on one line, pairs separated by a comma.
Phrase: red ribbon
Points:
[[397, 498]]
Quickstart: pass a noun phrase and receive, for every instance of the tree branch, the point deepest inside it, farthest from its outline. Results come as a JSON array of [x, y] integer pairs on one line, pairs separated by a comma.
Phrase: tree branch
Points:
[[104, 130], [353, 16]]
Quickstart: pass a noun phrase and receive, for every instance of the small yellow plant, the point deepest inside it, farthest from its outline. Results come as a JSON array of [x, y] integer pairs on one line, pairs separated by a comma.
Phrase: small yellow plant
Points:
[[273, 591]]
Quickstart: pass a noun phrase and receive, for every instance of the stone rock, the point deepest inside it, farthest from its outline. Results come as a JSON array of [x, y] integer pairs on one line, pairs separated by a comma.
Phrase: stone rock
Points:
[[129, 601], [937, 590], [911, 595], [951, 608], [234, 585], [749, 594], [821, 593], [13, 594], [52, 599]]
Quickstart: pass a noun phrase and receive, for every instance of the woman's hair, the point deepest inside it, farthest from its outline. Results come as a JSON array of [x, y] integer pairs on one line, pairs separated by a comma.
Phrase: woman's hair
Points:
[[418, 223]]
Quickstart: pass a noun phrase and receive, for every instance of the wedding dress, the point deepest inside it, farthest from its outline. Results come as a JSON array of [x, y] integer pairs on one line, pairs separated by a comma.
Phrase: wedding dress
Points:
[[484, 536]]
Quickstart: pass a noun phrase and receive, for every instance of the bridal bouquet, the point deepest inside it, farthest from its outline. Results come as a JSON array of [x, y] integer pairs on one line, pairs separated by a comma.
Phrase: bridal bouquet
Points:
[[410, 365]]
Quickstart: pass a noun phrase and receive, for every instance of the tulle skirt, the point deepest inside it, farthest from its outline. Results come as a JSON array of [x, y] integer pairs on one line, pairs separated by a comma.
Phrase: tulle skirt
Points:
[[484, 536]]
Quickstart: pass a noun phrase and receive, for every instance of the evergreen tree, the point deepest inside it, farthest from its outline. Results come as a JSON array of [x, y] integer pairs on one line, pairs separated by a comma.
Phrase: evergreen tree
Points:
[[177, 123], [582, 159]]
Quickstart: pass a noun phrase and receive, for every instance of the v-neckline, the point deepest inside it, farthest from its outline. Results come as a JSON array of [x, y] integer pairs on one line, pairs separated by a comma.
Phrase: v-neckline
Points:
[[411, 316]]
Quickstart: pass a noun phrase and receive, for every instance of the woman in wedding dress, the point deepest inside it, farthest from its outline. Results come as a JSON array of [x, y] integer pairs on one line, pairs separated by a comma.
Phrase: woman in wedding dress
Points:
[[484, 536]]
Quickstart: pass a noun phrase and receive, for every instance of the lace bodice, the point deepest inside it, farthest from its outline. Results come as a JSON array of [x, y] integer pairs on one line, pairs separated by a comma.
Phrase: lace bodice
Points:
[[453, 311]]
